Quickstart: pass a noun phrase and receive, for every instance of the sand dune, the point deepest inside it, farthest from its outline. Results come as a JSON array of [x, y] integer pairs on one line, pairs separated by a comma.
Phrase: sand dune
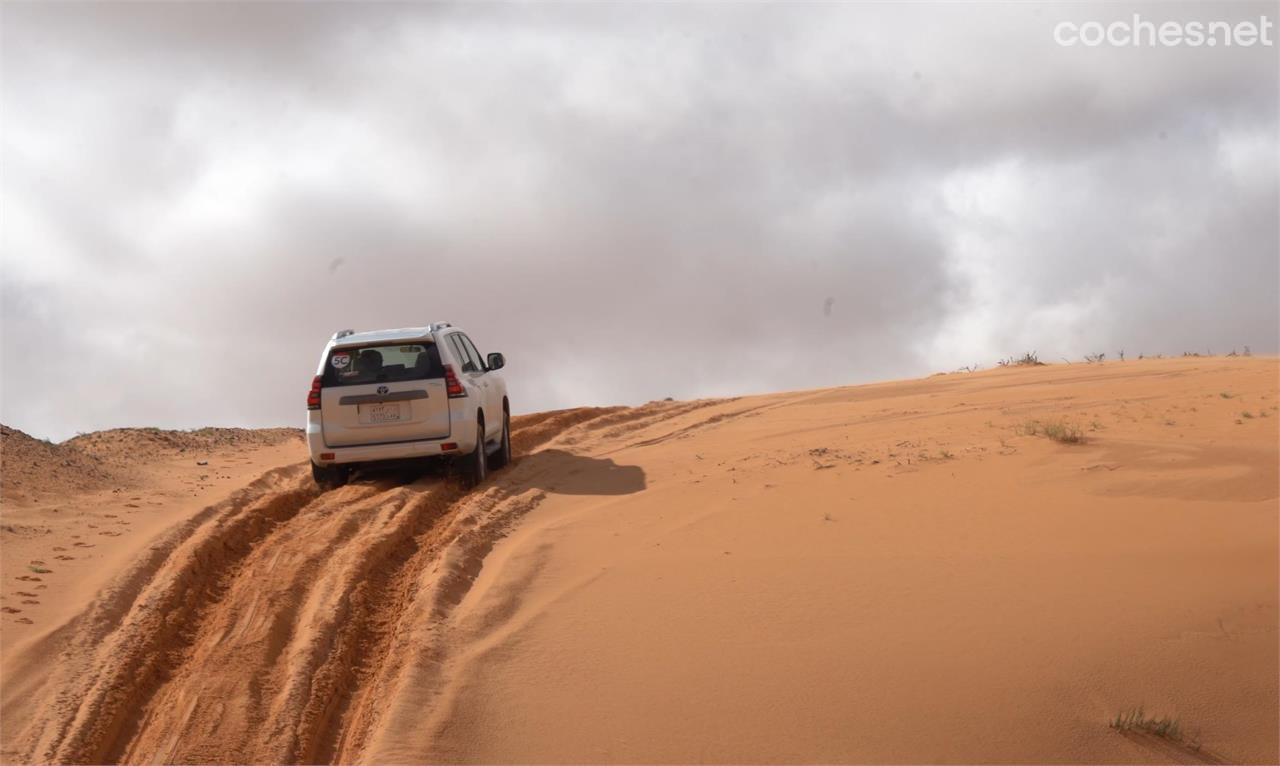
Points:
[[902, 572]]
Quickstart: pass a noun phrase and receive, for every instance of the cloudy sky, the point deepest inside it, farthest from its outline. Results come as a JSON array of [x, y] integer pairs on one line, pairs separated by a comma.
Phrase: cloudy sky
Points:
[[629, 201]]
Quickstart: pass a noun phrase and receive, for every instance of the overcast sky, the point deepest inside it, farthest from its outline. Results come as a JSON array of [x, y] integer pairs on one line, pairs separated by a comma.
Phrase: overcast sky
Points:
[[631, 202]]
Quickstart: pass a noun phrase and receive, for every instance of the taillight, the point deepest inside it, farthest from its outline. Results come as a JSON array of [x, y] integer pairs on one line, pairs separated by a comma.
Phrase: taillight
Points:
[[451, 383], [313, 397]]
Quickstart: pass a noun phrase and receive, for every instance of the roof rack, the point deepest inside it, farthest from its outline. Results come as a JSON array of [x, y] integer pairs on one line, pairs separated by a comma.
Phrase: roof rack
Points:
[[438, 325], [342, 334]]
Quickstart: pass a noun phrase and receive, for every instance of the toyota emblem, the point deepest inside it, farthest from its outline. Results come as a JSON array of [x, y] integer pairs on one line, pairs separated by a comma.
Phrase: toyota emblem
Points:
[[382, 390]]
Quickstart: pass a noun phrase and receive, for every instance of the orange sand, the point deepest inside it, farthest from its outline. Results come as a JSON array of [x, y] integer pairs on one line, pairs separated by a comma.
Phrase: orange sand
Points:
[[900, 572]]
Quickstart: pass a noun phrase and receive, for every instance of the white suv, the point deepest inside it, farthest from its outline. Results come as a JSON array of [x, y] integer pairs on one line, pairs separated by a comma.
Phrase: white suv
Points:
[[410, 393]]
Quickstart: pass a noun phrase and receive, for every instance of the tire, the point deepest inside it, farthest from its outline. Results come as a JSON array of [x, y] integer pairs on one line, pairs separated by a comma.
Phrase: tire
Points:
[[502, 457], [330, 476], [477, 466]]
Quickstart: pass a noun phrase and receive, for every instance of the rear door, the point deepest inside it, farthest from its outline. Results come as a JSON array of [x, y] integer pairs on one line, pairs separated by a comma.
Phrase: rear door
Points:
[[473, 369], [384, 393], [492, 394]]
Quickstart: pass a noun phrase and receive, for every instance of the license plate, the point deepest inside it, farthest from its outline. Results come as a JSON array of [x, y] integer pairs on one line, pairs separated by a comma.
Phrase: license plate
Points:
[[382, 413]]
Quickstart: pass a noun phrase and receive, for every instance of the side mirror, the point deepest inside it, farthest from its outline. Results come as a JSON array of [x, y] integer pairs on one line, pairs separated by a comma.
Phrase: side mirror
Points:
[[497, 361]]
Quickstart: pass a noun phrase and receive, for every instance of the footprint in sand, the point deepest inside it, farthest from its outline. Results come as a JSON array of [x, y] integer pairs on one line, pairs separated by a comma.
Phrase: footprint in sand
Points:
[[24, 594], [109, 515], [131, 505], [10, 610], [36, 562], [58, 548], [84, 545], [41, 587], [31, 601], [109, 534], [24, 620], [28, 578], [65, 558]]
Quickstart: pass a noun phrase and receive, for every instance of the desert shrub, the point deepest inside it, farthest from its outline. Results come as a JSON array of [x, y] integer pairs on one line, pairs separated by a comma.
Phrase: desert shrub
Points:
[[1029, 359], [1066, 433], [1060, 431], [1165, 727]]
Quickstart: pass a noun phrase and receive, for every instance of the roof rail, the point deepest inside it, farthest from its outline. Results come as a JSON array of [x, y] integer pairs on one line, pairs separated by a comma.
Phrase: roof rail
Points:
[[439, 325], [342, 334]]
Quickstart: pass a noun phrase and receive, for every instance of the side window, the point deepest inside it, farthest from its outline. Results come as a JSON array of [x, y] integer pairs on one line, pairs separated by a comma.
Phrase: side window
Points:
[[468, 363], [475, 354]]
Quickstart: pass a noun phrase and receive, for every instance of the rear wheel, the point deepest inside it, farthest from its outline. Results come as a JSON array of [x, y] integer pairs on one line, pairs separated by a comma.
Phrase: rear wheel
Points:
[[330, 476], [477, 464], [503, 455]]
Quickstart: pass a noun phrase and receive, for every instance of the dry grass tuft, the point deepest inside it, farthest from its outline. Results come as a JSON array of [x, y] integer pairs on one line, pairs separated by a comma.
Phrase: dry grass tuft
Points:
[[1060, 431], [1164, 727], [1029, 359]]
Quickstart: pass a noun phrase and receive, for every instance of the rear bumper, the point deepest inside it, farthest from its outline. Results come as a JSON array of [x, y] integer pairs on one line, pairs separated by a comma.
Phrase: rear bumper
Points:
[[370, 453]]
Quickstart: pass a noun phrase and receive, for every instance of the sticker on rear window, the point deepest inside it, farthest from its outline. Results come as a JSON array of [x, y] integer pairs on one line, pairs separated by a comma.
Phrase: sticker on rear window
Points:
[[340, 360]]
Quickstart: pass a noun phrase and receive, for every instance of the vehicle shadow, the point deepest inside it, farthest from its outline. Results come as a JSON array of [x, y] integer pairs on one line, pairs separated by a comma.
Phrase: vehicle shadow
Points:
[[550, 470], [565, 473], [399, 473]]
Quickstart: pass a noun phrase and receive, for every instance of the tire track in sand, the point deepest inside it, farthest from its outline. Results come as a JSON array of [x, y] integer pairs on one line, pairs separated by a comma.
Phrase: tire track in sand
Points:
[[250, 641], [288, 632], [97, 705], [276, 625]]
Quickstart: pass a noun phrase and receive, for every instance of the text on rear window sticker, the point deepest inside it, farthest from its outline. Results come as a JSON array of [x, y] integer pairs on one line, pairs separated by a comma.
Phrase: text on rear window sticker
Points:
[[340, 360]]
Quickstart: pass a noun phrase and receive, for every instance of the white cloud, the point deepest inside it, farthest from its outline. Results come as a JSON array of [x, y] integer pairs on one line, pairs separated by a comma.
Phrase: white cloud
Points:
[[630, 201]]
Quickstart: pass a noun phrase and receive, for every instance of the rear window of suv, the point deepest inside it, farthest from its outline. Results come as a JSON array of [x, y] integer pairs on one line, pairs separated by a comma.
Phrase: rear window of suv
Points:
[[382, 364]]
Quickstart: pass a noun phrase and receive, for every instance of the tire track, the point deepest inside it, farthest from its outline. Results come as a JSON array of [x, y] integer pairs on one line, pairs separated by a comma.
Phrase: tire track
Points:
[[382, 592], [101, 712], [415, 652], [282, 619], [275, 626]]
